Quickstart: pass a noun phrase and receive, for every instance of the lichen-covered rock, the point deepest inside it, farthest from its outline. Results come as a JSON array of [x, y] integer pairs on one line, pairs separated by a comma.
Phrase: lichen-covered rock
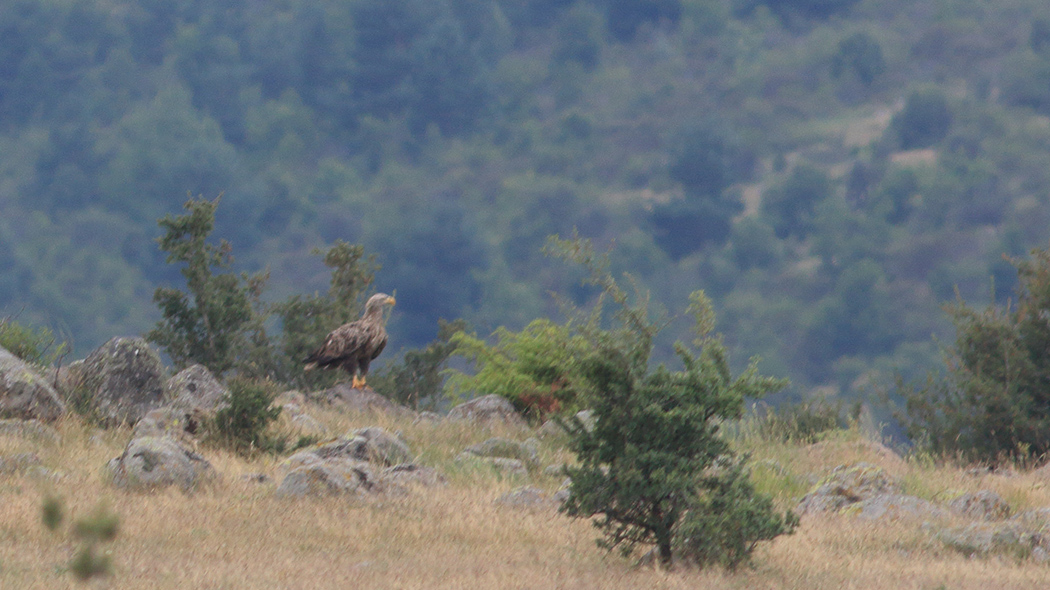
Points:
[[158, 461], [848, 484], [373, 445], [328, 478], [411, 474], [1014, 538], [195, 388], [122, 381], [894, 507], [24, 393], [381, 446], [504, 447], [361, 401], [982, 504], [486, 409], [182, 425]]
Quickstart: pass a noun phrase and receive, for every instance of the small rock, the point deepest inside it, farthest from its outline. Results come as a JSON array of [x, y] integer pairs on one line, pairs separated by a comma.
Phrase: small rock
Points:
[[24, 393], [848, 484], [328, 478], [195, 388], [982, 504], [154, 462], [257, 478], [504, 447], [486, 409], [410, 473], [363, 401]]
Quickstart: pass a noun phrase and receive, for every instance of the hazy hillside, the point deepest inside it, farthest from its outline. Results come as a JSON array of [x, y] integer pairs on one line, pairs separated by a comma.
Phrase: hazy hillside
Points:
[[830, 171]]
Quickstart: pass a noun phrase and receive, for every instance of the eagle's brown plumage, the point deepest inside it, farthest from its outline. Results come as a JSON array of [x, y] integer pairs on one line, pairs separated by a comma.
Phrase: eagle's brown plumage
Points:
[[353, 346]]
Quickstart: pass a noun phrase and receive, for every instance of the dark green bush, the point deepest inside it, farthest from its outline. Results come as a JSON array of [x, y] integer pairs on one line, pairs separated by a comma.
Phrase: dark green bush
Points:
[[244, 423], [728, 520], [924, 121], [994, 400]]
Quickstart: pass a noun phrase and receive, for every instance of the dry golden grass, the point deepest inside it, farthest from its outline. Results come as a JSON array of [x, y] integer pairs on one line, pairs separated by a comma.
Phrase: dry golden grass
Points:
[[237, 534]]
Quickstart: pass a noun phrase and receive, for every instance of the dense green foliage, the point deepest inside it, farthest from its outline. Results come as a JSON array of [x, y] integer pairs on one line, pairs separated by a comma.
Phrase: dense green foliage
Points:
[[243, 422], [654, 466], [450, 137], [995, 400], [209, 325], [531, 368]]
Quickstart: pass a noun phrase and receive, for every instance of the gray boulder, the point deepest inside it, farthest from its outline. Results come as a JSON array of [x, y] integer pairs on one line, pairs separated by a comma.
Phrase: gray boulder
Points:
[[407, 474], [1013, 538], [364, 445], [182, 425], [150, 462], [982, 504], [846, 485], [894, 507], [552, 429], [24, 393], [195, 388], [504, 447], [124, 380], [487, 409], [330, 477], [361, 401]]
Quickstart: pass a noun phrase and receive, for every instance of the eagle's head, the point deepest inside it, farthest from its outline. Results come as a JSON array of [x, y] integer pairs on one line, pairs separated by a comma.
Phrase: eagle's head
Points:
[[376, 302]]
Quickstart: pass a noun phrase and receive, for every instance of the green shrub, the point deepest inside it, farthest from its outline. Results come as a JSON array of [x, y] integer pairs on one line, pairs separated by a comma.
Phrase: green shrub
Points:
[[654, 468], [991, 403], [37, 346], [244, 423], [728, 519]]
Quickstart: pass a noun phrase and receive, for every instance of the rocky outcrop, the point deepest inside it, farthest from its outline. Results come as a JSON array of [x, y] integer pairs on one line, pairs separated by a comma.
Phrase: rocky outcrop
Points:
[[373, 445], [150, 462], [487, 409], [24, 393], [361, 401], [366, 461], [122, 381], [330, 477]]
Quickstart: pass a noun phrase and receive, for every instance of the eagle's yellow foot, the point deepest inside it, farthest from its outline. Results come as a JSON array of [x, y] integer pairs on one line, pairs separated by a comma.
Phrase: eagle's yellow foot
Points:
[[355, 382]]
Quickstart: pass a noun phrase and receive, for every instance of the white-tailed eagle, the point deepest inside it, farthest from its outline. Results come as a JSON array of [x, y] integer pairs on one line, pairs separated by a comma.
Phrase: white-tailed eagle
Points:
[[353, 346]]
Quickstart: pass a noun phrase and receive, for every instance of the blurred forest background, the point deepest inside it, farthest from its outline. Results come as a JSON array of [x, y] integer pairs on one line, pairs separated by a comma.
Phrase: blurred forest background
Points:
[[831, 172]]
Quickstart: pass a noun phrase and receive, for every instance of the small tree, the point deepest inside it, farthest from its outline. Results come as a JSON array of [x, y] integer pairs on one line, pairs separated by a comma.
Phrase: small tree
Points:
[[212, 323], [654, 455], [995, 399]]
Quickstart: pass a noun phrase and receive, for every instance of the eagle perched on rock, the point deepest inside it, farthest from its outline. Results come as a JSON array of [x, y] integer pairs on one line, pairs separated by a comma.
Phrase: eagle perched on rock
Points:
[[353, 346]]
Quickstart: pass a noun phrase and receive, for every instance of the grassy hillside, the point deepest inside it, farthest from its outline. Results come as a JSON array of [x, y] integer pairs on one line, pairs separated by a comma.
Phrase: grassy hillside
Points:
[[237, 534]]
